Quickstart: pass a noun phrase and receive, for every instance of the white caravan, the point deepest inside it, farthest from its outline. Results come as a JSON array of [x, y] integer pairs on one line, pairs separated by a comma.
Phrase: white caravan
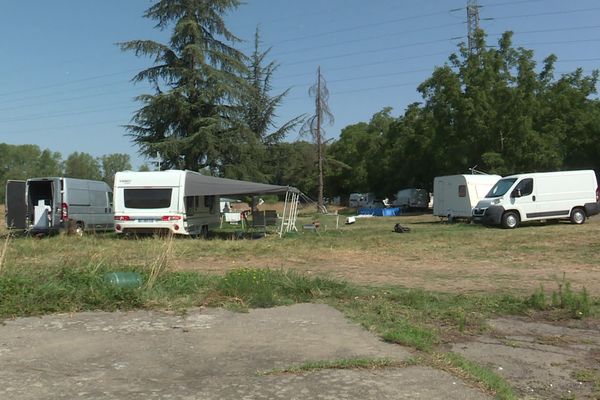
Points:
[[569, 195], [412, 198], [53, 204], [150, 202], [456, 195]]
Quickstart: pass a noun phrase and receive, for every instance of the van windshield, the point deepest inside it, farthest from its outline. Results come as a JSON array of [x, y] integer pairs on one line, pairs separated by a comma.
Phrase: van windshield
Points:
[[147, 198], [501, 187]]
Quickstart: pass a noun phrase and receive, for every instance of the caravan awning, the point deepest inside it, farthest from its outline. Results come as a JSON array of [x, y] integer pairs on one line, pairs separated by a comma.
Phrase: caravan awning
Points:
[[197, 184]]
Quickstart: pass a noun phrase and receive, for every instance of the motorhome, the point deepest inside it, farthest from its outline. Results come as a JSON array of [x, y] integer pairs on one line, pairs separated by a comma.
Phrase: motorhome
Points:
[[412, 198], [568, 195], [456, 195], [54, 204], [151, 202]]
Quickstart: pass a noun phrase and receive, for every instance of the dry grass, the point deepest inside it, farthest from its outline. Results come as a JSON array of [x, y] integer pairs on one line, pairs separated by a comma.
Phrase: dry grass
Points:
[[450, 258], [161, 262]]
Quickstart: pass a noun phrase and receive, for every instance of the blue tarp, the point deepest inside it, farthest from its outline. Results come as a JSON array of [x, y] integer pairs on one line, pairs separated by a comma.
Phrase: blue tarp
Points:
[[380, 212]]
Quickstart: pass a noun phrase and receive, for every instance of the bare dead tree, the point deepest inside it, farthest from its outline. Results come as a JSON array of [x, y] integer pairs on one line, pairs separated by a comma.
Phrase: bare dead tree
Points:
[[313, 126]]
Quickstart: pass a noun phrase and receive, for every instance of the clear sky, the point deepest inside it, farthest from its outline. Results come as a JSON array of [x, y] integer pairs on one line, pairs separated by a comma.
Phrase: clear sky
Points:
[[66, 86]]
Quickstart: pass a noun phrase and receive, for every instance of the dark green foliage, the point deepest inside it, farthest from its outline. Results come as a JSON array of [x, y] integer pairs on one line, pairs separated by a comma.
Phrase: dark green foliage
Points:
[[494, 109], [258, 131], [191, 120]]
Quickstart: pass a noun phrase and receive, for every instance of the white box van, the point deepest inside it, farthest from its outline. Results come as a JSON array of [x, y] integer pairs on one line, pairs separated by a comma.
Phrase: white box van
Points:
[[49, 205], [456, 195], [571, 195]]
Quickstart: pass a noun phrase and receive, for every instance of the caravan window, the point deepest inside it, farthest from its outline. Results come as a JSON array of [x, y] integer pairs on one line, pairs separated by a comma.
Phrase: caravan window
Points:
[[501, 187], [147, 198], [462, 190]]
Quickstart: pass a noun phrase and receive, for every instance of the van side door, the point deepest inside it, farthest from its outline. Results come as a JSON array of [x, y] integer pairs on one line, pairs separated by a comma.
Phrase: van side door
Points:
[[523, 198]]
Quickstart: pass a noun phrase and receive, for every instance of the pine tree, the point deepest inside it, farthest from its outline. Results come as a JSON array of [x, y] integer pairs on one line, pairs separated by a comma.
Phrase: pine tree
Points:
[[191, 120]]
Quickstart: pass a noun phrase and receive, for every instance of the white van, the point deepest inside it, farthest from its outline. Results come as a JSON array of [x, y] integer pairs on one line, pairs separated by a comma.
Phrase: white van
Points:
[[53, 204], [569, 195], [456, 195]]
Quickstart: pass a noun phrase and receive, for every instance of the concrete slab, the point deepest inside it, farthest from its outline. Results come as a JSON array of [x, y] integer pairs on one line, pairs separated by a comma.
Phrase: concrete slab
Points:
[[206, 354]]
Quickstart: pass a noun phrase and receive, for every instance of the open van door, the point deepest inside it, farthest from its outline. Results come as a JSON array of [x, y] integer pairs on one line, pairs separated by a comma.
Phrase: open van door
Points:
[[16, 209]]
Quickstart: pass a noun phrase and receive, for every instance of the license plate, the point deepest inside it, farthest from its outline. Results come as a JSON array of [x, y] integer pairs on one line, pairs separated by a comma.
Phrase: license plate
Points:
[[146, 220]]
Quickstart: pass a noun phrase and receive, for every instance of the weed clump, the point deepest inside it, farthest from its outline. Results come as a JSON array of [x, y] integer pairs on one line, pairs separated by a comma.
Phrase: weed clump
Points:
[[267, 288], [577, 305]]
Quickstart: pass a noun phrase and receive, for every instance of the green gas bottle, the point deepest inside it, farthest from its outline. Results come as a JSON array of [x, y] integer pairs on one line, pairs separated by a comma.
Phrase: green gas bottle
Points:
[[124, 279]]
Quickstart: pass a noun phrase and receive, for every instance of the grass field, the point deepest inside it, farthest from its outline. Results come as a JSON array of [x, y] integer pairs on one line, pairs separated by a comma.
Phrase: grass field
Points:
[[456, 258], [430, 286]]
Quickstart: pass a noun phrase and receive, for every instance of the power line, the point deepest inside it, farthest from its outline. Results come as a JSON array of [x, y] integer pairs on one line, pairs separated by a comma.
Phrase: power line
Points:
[[64, 114], [91, 78], [388, 48], [365, 39], [46, 128]]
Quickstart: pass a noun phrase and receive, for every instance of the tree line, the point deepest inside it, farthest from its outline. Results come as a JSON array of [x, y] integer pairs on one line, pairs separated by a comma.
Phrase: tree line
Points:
[[211, 110], [20, 162], [491, 108]]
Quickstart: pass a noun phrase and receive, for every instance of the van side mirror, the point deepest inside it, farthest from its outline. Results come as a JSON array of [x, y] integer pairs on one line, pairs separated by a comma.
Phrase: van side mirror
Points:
[[516, 193]]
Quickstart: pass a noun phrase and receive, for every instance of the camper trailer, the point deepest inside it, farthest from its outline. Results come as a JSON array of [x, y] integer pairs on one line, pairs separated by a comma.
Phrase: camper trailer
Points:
[[53, 204], [180, 202], [568, 195], [412, 198], [455, 196], [151, 202]]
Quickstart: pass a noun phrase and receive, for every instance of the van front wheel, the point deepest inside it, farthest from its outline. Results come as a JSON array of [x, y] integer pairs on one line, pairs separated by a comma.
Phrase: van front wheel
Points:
[[510, 220], [578, 216]]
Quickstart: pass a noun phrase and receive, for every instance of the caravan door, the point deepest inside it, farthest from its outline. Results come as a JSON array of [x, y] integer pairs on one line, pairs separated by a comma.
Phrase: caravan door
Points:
[[16, 209]]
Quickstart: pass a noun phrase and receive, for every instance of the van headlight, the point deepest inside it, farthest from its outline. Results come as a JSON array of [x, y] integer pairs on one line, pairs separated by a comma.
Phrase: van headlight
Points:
[[496, 201]]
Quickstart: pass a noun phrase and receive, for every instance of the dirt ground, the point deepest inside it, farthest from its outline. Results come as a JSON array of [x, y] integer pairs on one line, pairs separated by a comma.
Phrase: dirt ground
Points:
[[439, 266], [541, 360]]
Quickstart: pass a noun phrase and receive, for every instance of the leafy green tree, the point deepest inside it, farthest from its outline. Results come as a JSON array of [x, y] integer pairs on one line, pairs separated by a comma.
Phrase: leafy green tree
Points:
[[82, 166], [191, 121], [20, 162], [144, 168], [113, 163]]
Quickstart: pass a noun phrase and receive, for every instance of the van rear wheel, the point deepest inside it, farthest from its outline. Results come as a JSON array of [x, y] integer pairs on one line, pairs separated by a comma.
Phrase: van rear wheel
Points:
[[578, 216], [78, 231], [510, 220]]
